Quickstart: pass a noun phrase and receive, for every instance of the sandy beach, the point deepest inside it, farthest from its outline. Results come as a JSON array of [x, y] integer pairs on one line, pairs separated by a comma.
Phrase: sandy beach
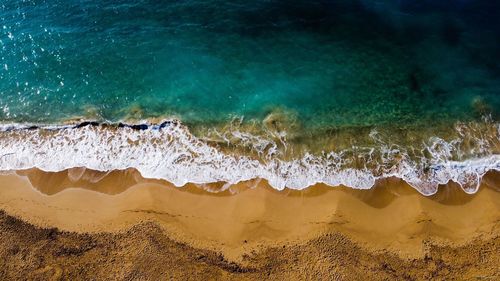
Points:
[[58, 225]]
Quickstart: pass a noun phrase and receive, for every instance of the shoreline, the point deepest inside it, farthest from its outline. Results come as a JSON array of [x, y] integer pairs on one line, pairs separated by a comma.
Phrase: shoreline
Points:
[[179, 157]]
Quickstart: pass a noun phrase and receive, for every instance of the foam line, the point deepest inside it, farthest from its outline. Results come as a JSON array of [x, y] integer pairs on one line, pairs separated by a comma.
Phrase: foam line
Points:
[[170, 152]]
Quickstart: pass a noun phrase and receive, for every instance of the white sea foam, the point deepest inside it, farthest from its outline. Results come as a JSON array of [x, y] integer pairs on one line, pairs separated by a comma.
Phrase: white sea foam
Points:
[[171, 153]]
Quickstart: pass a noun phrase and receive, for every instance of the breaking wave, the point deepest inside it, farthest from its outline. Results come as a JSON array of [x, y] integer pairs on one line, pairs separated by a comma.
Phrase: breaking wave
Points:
[[170, 152]]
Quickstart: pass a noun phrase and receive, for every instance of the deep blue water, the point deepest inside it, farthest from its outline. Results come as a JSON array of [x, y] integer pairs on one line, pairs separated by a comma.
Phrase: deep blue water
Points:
[[330, 63]]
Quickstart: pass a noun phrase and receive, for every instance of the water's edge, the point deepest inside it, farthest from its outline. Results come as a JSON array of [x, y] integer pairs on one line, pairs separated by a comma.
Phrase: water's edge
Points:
[[168, 151]]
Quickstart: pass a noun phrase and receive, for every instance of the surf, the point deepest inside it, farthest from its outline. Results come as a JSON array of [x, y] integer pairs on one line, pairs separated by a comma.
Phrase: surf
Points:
[[169, 151]]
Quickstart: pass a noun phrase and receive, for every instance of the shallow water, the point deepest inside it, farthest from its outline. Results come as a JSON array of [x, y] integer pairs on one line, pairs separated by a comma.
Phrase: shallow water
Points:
[[351, 90]]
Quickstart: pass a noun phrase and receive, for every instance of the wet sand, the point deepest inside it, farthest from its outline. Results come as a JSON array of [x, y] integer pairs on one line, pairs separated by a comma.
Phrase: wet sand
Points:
[[81, 223]]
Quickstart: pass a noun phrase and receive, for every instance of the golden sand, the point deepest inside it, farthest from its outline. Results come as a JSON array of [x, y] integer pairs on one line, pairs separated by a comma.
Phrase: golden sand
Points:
[[250, 216]]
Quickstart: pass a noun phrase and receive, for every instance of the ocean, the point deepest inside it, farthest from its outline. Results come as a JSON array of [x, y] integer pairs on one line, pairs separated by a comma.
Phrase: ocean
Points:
[[293, 92]]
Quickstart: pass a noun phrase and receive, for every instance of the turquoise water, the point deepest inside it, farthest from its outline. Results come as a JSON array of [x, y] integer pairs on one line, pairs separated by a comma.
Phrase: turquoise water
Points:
[[331, 63], [293, 92]]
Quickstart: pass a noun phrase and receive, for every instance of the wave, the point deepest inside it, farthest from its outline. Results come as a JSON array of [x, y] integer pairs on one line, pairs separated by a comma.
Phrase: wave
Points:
[[169, 151]]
